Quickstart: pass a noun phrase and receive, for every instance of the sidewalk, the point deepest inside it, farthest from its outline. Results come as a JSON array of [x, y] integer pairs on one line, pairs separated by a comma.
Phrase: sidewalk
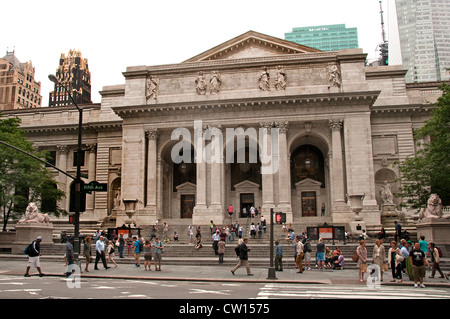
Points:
[[16, 265]]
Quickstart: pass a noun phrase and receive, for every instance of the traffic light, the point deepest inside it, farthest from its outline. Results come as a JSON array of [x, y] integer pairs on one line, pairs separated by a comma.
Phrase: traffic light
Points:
[[280, 218], [71, 219], [82, 197]]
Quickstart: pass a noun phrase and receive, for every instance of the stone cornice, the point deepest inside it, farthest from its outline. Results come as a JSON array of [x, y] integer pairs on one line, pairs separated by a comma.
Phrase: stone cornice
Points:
[[407, 108], [72, 128], [323, 57], [333, 99]]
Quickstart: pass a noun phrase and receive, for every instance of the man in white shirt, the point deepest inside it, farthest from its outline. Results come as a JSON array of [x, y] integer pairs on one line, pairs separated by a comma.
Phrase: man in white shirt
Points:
[[100, 253]]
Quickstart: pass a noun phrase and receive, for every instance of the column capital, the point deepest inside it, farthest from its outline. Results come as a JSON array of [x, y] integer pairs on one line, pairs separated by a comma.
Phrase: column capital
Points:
[[62, 148], [335, 124], [152, 133], [267, 125], [283, 126]]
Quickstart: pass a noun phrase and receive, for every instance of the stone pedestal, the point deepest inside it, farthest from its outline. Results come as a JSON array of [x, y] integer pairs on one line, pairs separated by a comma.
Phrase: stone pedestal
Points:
[[435, 230], [27, 232], [389, 214]]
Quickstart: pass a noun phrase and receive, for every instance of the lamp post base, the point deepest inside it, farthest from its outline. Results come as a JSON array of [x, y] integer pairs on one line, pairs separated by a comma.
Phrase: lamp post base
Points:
[[271, 273]]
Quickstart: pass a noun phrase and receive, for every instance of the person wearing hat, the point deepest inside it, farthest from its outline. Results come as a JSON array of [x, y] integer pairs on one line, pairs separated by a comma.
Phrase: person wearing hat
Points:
[[34, 251]]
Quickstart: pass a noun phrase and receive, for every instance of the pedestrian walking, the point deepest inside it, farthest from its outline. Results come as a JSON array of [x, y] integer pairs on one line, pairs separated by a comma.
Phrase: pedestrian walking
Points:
[[33, 251], [278, 256], [159, 248], [121, 245], [100, 253], [361, 251], [379, 256], [320, 254], [87, 252], [216, 238], [110, 253], [221, 249], [137, 251], [307, 254], [148, 255], [69, 255], [435, 259], [243, 257], [129, 242], [418, 261], [164, 231], [300, 254]]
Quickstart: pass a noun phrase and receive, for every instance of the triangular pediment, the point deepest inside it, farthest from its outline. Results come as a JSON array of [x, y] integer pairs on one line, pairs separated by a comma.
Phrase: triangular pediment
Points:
[[186, 187], [308, 183], [252, 45], [246, 184]]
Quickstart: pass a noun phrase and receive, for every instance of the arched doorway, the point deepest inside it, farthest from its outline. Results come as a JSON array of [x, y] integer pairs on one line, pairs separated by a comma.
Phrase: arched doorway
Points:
[[309, 178]]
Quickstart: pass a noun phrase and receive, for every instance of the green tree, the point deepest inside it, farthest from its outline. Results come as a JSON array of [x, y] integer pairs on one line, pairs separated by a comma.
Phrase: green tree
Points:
[[23, 179], [429, 170]]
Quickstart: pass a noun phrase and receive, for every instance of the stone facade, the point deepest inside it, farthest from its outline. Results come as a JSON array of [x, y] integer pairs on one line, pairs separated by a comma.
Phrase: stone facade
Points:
[[339, 127]]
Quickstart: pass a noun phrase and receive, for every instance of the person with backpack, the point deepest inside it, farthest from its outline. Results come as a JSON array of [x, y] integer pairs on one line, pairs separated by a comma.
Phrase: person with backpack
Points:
[[159, 248], [243, 257], [436, 259], [33, 251]]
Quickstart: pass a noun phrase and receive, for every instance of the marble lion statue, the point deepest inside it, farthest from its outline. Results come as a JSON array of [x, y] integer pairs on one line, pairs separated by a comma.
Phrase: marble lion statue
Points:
[[434, 208], [32, 215]]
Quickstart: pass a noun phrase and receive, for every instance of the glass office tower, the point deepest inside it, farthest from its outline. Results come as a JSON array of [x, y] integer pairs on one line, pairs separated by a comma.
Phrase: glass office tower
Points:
[[423, 27], [325, 37]]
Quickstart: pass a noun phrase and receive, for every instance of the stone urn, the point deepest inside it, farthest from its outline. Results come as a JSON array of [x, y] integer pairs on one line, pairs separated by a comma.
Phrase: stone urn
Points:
[[130, 209], [356, 204]]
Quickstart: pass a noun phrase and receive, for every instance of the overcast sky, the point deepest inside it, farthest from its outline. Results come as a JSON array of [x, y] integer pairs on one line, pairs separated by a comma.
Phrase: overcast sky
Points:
[[115, 34]]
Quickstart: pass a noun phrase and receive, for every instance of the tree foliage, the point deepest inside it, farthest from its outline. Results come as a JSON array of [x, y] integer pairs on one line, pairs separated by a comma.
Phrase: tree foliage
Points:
[[429, 170], [23, 179]]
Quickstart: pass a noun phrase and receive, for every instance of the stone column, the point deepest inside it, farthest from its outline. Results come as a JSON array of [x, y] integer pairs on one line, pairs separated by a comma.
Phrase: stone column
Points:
[[152, 136], [91, 175], [216, 160], [200, 198], [267, 179], [283, 166], [337, 174], [61, 163]]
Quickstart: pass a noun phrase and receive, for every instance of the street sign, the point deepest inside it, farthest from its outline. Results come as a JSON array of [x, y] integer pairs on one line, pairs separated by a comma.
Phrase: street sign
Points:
[[95, 186]]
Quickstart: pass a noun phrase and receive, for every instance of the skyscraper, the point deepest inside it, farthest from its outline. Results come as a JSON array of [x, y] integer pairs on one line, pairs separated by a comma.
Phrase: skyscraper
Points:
[[18, 87], [325, 37], [424, 39], [72, 73]]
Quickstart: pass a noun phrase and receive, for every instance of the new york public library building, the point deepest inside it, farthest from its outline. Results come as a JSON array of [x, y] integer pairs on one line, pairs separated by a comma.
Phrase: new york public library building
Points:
[[332, 126]]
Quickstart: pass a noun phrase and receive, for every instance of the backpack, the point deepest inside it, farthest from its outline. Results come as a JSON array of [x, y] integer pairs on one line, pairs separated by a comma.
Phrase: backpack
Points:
[[141, 246], [28, 249], [237, 249], [439, 251]]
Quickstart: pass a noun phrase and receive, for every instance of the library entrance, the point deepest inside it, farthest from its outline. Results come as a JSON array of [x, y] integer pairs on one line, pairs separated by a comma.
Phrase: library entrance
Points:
[[309, 204], [187, 205], [247, 201]]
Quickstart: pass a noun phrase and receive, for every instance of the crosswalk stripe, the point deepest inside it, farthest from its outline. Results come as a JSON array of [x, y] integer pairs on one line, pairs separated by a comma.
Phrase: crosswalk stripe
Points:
[[308, 291]]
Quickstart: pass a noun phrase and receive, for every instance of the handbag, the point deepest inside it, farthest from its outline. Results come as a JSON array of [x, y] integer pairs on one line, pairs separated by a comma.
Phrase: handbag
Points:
[[364, 267], [385, 268], [355, 257]]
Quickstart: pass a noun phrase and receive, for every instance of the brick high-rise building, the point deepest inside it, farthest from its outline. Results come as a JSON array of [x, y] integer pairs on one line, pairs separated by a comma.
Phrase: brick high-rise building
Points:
[[18, 88], [73, 73]]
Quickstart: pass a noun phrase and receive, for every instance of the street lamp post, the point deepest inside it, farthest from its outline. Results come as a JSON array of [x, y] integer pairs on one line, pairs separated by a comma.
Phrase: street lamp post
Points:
[[76, 220]]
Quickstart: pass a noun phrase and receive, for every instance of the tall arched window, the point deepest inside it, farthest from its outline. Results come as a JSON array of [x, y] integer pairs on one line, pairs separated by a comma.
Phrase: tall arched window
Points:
[[307, 162]]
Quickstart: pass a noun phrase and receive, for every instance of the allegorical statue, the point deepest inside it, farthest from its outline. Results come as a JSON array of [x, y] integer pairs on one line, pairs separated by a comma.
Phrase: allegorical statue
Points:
[[200, 84], [32, 215], [264, 80], [215, 81], [386, 194], [434, 208], [280, 81], [152, 85]]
